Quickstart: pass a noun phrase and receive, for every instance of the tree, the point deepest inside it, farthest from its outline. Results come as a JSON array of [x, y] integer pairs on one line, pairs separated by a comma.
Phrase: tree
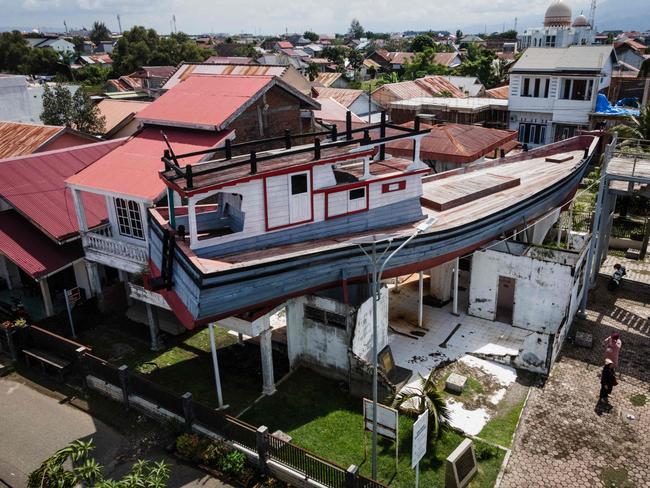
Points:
[[423, 64], [78, 44], [417, 399], [57, 105], [355, 58], [638, 127], [85, 116], [42, 61], [481, 63], [93, 74], [312, 71], [99, 32], [78, 111], [336, 54], [13, 49], [87, 472], [459, 35], [422, 42], [312, 36], [356, 30]]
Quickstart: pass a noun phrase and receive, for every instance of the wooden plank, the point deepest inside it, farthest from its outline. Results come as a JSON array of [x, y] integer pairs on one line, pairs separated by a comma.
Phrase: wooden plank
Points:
[[454, 194]]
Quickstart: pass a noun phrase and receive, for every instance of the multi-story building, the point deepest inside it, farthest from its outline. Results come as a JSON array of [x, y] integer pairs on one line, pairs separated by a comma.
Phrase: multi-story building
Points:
[[554, 91], [559, 30]]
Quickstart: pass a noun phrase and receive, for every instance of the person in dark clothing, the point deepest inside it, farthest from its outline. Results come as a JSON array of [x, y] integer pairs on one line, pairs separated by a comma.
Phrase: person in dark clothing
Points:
[[607, 381]]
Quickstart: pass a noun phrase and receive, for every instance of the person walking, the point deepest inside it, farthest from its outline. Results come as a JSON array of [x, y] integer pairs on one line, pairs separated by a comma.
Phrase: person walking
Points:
[[613, 346], [607, 381]]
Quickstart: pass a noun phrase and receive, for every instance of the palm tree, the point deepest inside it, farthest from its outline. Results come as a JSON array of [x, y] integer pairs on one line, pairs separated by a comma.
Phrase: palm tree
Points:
[[414, 400], [638, 126]]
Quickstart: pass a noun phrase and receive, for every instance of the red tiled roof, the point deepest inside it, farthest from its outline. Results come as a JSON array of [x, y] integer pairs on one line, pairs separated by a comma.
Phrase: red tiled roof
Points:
[[132, 169], [453, 143], [31, 250], [206, 102], [35, 186]]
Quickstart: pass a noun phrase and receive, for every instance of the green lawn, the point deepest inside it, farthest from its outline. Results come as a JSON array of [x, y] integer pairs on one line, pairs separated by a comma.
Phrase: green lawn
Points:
[[501, 428], [324, 419], [186, 363]]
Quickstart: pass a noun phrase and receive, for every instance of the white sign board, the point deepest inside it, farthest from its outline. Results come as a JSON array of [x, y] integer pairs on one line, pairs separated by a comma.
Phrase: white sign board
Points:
[[420, 430], [141, 294], [386, 419]]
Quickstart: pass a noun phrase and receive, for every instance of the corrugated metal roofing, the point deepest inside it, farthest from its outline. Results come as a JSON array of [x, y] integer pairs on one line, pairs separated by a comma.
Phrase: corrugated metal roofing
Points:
[[35, 186], [186, 70], [429, 86], [344, 96], [445, 59], [229, 60], [116, 111], [30, 250], [132, 168], [453, 143], [401, 57], [326, 79], [332, 111], [500, 93], [572, 58], [205, 102], [20, 139]]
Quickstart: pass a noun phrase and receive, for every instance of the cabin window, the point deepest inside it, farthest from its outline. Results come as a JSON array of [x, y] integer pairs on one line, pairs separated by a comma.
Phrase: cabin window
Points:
[[391, 187], [580, 90], [299, 184], [325, 317], [357, 193], [129, 220]]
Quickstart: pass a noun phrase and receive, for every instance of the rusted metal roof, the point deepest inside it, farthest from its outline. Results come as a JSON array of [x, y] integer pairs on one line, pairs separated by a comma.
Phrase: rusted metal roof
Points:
[[401, 57], [430, 86], [454, 143], [119, 112], [326, 79], [345, 96], [186, 70], [500, 93], [18, 139], [333, 111], [229, 60], [445, 59], [35, 186]]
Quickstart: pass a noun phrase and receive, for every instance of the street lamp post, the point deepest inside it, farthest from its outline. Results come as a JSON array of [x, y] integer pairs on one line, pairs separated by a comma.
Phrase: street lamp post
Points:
[[376, 286]]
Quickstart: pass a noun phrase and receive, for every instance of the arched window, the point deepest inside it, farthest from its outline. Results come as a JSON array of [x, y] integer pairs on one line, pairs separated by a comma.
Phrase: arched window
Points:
[[129, 220]]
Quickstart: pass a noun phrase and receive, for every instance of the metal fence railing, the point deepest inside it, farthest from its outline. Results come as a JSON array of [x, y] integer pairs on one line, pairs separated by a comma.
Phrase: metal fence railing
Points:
[[309, 464], [142, 387]]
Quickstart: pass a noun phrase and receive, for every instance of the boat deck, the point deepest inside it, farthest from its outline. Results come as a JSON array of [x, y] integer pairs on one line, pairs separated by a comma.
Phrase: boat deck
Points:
[[531, 170]]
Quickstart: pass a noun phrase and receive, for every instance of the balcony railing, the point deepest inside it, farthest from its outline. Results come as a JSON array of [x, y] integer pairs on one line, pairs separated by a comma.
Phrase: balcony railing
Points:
[[113, 252]]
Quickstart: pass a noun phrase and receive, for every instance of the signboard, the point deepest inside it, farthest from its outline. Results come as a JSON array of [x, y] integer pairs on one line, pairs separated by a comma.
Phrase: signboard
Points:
[[73, 295], [420, 431], [461, 465], [386, 419], [141, 294]]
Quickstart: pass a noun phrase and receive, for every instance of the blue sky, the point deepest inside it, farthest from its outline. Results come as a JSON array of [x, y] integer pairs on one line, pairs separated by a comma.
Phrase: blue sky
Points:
[[273, 16]]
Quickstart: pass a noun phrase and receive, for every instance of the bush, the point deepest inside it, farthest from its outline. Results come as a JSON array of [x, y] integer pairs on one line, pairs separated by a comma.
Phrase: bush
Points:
[[213, 454], [484, 451], [233, 463], [191, 446]]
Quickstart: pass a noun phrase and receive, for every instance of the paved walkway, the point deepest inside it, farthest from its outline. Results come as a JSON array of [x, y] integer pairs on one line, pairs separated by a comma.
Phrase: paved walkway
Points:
[[563, 441], [638, 271]]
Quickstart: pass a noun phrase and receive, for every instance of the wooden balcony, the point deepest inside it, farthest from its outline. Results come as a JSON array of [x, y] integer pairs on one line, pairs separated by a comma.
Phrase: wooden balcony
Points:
[[101, 247]]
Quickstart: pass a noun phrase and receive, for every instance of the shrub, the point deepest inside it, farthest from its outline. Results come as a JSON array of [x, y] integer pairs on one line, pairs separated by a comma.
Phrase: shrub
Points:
[[189, 446], [233, 463], [484, 451], [213, 454]]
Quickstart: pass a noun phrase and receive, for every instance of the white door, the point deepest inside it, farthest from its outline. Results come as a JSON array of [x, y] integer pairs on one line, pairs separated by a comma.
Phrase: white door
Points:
[[299, 197]]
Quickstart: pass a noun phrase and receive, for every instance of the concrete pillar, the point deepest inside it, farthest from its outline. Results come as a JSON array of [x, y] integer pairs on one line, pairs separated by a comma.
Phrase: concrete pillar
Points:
[[154, 326], [124, 278], [420, 298], [47, 298], [79, 209], [93, 278], [215, 365], [266, 349], [440, 286]]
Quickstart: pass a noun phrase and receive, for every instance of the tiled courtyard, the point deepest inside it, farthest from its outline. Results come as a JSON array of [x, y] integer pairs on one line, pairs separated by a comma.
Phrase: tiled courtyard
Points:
[[563, 441]]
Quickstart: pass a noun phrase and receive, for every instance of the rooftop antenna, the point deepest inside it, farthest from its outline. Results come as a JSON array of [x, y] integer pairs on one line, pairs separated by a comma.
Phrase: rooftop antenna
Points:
[[66, 27], [119, 24], [516, 23], [174, 19], [592, 14]]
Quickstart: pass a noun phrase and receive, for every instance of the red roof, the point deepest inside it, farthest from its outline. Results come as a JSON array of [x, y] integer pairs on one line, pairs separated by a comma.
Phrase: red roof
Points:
[[132, 169], [453, 143], [30, 250], [35, 186], [284, 45], [205, 102]]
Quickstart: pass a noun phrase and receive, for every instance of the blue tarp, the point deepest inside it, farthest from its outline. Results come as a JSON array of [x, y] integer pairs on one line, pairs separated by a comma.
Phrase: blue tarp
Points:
[[604, 107]]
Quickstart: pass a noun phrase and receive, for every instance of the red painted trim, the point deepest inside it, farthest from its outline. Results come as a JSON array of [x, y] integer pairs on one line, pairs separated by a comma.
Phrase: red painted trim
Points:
[[311, 195], [352, 186], [290, 169], [401, 185], [374, 180], [174, 301]]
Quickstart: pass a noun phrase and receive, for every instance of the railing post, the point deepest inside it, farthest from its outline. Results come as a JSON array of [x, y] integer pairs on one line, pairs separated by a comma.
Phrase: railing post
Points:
[[123, 372], [335, 134], [188, 177], [228, 149], [348, 125], [188, 410], [352, 476], [262, 447], [287, 139], [317, 149], [253, 162], [382, 134]]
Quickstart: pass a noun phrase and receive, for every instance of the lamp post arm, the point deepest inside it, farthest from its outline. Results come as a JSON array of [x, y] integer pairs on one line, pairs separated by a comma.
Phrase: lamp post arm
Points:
[[381, 270]]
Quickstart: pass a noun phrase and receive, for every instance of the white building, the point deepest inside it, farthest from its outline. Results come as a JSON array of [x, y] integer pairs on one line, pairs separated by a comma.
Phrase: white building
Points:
[[559, 30], [553, 91]]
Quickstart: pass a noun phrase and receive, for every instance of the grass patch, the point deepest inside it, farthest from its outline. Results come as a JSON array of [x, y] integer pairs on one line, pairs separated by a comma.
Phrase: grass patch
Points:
[[615, 478], [322, 418], [638, 400], [472, 388], [501, 428]]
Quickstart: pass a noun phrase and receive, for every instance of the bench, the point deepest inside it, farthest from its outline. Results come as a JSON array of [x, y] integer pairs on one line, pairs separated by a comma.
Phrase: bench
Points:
[[46, 359]]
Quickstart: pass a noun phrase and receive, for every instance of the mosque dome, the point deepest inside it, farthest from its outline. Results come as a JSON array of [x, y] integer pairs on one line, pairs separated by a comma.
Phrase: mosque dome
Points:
[[558, 15], [581, 21]]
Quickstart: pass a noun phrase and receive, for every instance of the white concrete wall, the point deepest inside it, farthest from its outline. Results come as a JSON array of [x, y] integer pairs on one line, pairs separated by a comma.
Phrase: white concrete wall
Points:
[[542, 289], [81, 277], [315, 343], [362, 336]]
